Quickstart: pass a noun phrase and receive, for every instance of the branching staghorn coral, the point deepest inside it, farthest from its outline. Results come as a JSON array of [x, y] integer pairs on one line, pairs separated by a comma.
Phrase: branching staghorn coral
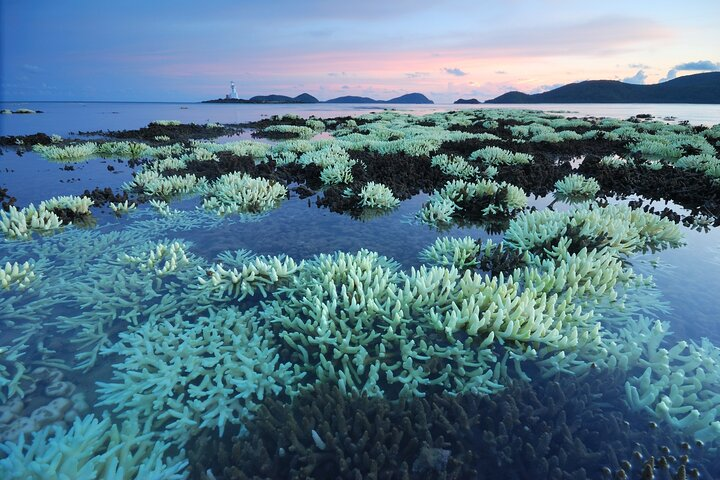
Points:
[[181, 374], [20, 224], [616, 161], [241, 193], [347, 321], [122, 208], [454, 166], [679, 385], [704, 163], [377, 195], [162, 258], [69, 153], [91, 449], [460, 253], [498, 156], [14, 275], [484, 198], [132, 150], [337, 173], [624, 230], [77, 205], [151, 182], [166, 123], [252, 274], [576, 188]]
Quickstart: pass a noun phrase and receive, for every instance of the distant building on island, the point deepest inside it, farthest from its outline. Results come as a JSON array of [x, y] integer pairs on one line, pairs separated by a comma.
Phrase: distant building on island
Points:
[[233, 95]]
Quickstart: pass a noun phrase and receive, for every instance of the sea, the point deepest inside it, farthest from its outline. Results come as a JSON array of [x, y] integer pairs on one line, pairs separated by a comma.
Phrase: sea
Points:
[[687, 278]]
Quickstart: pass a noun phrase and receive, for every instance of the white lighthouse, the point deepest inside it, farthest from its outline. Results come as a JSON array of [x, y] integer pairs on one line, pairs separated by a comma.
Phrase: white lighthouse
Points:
[[233, 93]]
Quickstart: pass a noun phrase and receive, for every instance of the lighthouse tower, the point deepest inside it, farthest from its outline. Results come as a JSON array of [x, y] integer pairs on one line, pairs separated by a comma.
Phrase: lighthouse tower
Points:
[[233, 93]]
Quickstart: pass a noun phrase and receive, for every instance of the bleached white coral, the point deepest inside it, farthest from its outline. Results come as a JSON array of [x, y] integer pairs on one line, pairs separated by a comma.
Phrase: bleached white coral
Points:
[[90, 449], [499, 156], [182, 374], [16, 275], [241, 193], [78, 205], [679, 385], [69, 153], [297, 131], [624, 230], [454, 166], [461, 253], [377, 195], [122, 208], [576, 188], [247, 276], [19, 224], [161, 258]]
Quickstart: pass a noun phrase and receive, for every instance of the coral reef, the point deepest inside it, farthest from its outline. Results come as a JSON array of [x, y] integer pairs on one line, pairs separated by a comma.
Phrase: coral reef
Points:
[[326, 434], [91, 448], [14, 275], [240, 193], [180, 374], [377, 195], [576, 188]]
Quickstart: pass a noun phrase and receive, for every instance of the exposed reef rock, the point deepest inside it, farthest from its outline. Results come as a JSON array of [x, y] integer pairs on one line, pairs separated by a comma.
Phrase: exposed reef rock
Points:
[[171, 130]]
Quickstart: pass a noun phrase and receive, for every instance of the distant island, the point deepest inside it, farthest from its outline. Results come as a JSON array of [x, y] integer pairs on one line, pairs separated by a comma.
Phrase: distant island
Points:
[[698, 88], [468, 101], [410, 98], [418, 98], [302, 98]]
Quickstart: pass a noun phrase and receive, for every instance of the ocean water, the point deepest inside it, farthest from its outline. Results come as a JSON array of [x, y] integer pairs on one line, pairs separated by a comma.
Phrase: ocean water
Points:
[[82, 275], [64, 117]]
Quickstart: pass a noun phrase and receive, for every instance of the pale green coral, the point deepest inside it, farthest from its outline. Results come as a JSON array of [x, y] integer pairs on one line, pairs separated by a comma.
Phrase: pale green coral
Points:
[[679, 385], [69, 153], [248, 276], [89, 450], [499, 156], [576, 188], [460, 253], [454, 166], [181, 374], [377, 195], [619, 227], [241, 193]]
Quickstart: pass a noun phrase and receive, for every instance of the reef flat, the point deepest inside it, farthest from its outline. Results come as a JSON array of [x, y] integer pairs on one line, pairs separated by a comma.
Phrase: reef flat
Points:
[[141, 339]]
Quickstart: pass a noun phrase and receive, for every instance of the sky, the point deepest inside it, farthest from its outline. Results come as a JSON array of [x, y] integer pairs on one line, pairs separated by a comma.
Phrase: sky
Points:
[[185, 50]]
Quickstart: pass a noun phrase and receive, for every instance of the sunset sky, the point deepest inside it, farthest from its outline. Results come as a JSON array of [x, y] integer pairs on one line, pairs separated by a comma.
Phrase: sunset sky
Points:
[[185, 50]]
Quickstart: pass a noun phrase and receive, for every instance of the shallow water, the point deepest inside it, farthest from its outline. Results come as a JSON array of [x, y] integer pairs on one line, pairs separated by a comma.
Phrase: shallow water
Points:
[[73, 263]]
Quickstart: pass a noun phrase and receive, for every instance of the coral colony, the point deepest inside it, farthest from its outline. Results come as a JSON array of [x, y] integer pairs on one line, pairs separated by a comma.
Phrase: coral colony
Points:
[[254, 366]]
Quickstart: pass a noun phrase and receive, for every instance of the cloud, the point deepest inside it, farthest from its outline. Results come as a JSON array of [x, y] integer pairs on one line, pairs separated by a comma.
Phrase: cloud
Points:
[[416, 74], [455, 71], [641, 66], [637, 79], [697, 66]]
